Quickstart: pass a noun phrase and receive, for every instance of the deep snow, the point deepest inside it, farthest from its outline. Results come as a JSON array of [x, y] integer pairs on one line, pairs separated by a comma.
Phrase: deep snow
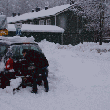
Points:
[[79, 79]]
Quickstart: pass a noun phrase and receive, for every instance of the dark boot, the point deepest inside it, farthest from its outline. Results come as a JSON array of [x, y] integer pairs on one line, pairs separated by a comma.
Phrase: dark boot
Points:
[[34, 88], [46, 86], [34, 92]]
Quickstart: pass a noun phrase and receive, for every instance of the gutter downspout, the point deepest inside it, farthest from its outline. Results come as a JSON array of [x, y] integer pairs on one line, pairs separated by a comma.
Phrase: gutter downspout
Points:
[[62, 39], [55, 20]]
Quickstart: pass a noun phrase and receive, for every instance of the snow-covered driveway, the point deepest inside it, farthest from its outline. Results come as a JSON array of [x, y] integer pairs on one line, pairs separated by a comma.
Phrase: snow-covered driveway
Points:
[[79, 79]]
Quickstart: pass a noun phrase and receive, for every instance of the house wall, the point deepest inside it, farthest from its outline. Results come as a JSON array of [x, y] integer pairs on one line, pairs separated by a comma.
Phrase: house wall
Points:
[[61, 20], [69, 22]]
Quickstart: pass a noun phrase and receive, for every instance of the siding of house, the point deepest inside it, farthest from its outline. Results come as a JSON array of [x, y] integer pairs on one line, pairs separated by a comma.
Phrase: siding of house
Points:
[[69, 21], [72, 24], [61, 20]]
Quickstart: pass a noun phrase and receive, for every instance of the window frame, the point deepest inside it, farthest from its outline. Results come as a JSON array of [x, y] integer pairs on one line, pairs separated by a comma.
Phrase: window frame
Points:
[[48, 22], [41, 22]]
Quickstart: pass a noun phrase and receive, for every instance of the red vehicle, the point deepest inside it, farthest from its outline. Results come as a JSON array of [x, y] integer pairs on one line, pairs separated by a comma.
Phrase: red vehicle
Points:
[[15, 64]]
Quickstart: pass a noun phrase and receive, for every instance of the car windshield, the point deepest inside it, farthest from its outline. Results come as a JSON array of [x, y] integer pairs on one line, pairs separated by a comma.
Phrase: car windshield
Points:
[[17, 49]]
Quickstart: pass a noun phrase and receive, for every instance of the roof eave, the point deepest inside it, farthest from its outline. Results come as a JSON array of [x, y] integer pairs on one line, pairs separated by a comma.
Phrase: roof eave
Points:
[[63, 10]]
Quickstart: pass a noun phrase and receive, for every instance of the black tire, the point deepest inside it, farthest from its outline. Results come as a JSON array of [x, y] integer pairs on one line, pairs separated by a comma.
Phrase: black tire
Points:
[[4, 81]]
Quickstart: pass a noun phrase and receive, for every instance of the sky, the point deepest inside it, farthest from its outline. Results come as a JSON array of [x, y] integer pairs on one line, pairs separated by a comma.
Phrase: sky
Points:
[[79, 79]]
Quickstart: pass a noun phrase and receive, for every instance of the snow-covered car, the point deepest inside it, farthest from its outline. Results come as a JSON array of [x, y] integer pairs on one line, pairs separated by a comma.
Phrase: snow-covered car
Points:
[[13, 53]]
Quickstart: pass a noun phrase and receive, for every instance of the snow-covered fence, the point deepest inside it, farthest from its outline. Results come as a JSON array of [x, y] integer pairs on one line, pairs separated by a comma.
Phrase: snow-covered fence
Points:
[[76, 38]]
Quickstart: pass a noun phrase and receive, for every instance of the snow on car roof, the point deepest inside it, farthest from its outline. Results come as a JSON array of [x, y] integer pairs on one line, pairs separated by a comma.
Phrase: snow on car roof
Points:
[[42, 13], [36, 28], [16, 39]]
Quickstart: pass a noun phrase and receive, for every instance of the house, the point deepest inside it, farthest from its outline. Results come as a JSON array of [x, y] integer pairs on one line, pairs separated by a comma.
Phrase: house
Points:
[[62, 16]]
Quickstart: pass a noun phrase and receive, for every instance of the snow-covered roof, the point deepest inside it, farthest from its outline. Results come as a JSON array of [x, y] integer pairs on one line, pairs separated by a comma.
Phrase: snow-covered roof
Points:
[[36, 28], [42, 13]]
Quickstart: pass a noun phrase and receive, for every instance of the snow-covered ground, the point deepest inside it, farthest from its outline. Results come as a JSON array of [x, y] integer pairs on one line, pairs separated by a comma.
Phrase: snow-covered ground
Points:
[[79, 79]]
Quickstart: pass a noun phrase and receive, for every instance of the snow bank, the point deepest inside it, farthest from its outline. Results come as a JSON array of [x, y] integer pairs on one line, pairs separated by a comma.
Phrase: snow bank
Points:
[[86, 46], [89, 50]]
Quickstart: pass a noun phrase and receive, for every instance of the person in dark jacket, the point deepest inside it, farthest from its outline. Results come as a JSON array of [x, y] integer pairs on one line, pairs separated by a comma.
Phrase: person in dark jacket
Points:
[[40, 63]]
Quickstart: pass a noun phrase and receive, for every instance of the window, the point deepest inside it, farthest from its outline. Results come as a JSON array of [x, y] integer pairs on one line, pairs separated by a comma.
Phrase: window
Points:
[[17, 49], [2, 50], [48, 22], [31, 23], [41, 22]]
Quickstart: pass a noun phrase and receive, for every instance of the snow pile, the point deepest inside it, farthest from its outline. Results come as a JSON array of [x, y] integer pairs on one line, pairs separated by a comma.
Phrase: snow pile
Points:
[[14, 83], [87, 46], [48, 46]]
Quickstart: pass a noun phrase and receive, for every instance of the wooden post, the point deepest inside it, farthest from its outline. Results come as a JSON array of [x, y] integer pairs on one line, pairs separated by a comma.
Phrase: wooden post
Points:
[[101, 22], [100, 35]]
